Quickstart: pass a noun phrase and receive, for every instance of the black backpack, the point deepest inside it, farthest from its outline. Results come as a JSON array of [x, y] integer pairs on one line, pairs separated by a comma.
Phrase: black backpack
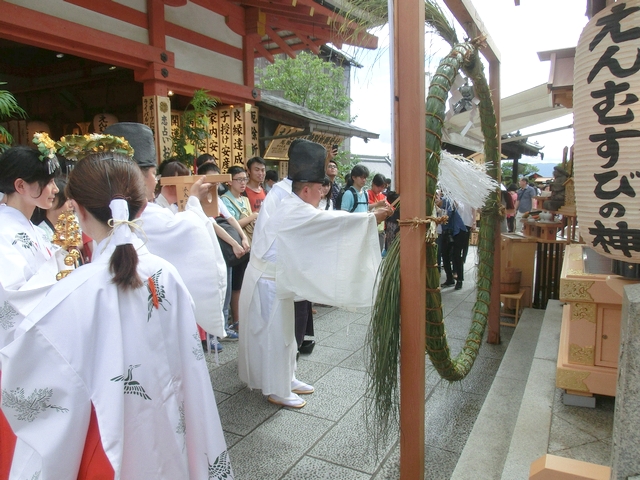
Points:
[[355, 199]]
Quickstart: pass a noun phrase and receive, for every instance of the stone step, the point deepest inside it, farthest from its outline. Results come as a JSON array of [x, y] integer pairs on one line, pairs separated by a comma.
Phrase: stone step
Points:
[[519, 404]]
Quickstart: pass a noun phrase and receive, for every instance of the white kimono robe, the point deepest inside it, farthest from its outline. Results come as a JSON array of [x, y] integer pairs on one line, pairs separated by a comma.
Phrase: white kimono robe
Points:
[[136, 356], [328, 257], [28, 269], [187, 241]]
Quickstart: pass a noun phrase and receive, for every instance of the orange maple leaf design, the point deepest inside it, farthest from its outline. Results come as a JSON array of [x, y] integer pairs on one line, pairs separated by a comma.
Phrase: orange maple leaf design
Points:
[[154, 293]]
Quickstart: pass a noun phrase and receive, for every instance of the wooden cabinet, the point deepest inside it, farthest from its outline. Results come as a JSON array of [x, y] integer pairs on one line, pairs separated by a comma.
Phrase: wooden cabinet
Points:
[[590, 333]]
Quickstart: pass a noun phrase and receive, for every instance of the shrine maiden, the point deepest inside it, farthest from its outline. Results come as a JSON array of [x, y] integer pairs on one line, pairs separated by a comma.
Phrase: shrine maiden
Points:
[[185, 239], [117, 336], [27, 264]]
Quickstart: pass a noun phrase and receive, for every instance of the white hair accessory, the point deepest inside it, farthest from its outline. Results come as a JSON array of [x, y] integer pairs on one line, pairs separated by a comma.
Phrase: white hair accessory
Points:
[[120, 223]]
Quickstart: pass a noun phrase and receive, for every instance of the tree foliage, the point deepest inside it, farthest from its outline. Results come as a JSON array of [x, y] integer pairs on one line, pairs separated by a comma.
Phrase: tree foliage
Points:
[[310, 82], [9, 108], [524, 170], [193, 132]]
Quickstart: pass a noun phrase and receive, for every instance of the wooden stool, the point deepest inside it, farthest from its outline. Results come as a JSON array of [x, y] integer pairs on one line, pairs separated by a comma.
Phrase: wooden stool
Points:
[[512, 296]]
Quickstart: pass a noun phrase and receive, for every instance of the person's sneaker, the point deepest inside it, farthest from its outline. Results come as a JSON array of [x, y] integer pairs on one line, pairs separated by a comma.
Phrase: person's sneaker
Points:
[[459, 285], [448, 283], [216, 347], [231, 335]]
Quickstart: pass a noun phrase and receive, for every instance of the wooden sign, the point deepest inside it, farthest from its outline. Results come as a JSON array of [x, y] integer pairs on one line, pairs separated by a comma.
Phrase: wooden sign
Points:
[[233, 134], [278, 148], [156, 114], [183, 187]]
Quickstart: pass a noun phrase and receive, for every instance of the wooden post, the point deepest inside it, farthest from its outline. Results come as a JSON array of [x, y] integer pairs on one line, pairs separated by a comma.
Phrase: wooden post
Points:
[[183, 186], [410, 160], [493, 335]]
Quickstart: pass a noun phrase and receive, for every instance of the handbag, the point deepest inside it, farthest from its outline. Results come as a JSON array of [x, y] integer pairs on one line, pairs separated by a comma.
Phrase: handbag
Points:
[[227, 250]]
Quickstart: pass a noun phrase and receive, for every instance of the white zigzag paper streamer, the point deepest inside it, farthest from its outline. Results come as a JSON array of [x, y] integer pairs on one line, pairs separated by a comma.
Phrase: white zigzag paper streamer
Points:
[[463, 180]]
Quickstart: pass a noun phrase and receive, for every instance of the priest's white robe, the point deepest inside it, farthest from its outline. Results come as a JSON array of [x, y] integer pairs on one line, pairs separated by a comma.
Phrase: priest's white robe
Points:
[[136, 356], [328, 257], [28, 268], [187, 240], [281, 190]]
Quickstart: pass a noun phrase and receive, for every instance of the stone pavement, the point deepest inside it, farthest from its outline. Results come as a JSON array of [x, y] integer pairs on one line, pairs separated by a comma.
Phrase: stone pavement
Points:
[[327, 439]]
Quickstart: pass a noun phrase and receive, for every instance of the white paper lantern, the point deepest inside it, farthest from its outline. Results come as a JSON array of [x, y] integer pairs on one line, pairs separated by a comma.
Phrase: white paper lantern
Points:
[[102, 120], [607, 131], [37, 126]]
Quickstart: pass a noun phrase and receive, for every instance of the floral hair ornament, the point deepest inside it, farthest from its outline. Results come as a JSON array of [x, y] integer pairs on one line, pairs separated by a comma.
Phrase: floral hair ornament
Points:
[[47, 148], [76, 147], [121, 233]]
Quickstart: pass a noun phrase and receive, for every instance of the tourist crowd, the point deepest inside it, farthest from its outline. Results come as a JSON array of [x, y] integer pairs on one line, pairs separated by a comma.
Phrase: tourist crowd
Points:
[[101, 352]]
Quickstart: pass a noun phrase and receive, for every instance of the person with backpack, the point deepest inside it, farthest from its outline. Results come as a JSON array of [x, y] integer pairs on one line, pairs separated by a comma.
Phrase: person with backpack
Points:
[[354, 197], [378, 199]]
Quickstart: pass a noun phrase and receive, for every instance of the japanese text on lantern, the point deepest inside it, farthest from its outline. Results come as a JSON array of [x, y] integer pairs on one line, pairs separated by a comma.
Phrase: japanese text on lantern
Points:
[[613, 83]]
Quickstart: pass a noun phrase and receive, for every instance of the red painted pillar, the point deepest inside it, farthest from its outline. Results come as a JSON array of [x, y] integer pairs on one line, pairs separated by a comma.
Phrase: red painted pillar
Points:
[[411, 169]]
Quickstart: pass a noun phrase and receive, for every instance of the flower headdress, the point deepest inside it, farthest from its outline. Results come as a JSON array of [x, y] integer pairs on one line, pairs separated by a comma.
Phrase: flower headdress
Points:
[[47, 148], [76, 147]]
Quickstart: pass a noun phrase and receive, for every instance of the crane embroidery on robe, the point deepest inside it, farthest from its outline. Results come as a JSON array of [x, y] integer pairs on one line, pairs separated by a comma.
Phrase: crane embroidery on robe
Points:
[[220, 468], [197, 351], [28, 408], [25, 241], [130, 385], [156, 293], [7, 314], [181, 429]]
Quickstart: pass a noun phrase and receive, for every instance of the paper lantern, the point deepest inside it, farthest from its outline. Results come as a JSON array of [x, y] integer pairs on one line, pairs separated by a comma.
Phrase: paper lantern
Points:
[[36, 126], [102, 121], [607, 131]]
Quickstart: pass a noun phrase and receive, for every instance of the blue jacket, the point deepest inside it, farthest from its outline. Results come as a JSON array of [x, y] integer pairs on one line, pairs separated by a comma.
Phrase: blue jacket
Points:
[[455, 223]]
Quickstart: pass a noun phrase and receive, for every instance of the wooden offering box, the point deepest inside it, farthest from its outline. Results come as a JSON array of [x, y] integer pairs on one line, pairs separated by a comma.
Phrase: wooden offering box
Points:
[[590, 333], [547, 231], [183, 186], [529, 229]]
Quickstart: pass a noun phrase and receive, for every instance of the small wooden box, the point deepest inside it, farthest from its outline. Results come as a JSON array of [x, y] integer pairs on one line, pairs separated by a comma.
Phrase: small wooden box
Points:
[[530, 229], [548, 231]]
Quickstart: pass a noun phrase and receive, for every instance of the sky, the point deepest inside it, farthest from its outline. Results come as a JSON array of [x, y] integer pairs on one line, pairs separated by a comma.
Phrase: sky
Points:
[[519, 33]]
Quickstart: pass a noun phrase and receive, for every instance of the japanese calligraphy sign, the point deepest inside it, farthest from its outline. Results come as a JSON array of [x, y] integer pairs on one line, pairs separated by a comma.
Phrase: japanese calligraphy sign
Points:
[[607, 131], [233, 134], [224, 138], [251, 131], [278, 148], [156, 114]]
